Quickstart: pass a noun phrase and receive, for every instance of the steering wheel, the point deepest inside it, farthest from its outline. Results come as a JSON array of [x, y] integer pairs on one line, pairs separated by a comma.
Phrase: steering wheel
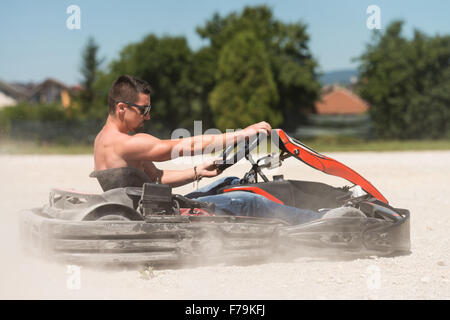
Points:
[[241, 149]]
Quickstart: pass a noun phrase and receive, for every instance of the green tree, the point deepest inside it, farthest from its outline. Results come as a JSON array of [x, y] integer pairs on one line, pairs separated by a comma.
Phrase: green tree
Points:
[[89, 70], [204, 65], [182, 80], [407, 83], [245, 92], [290, 60]]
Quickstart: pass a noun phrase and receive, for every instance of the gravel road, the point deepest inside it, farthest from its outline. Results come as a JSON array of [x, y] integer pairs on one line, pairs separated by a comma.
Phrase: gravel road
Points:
[[418, 181]]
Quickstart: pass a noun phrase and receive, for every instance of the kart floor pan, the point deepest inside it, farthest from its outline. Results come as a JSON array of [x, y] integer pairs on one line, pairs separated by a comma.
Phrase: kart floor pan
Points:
[[174, 240]]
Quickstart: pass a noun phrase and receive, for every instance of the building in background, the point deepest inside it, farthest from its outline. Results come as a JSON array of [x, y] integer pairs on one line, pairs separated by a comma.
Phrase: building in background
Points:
[[338, 112], [50, 91], [11, 94], [337, 100]]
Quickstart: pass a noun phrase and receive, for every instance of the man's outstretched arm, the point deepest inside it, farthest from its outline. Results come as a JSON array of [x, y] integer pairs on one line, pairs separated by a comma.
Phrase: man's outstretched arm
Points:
[[146, 147]]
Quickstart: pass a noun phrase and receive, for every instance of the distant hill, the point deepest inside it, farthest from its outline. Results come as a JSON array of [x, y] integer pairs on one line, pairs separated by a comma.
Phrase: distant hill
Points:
[[341, 76]]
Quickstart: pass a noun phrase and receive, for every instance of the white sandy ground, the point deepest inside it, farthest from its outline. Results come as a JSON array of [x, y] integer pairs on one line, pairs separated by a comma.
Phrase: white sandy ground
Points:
[[418, 181]]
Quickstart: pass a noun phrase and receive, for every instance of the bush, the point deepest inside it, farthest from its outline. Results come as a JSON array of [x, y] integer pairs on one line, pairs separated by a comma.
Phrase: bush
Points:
[[46, 123], [407, 83]]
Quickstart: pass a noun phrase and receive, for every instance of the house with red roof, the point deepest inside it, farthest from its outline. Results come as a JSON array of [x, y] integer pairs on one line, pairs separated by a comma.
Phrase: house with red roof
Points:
[[337, 100], [338, 112]]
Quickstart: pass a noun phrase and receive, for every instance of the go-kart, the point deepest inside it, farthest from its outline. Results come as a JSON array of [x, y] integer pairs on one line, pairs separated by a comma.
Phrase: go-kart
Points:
[[135, 221]]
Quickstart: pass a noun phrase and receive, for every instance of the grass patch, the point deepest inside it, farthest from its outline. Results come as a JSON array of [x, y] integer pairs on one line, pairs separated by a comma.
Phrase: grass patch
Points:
[[354, 144], [27, 147], [349, 144], [322, 145]]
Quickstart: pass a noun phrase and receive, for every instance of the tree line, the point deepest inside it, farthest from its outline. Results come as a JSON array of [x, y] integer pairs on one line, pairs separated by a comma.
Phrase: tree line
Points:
[[407, 83], [256, 67]]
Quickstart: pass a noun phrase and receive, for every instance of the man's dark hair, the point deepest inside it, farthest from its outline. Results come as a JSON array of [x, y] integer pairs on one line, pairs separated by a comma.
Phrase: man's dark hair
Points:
[[126, 88]]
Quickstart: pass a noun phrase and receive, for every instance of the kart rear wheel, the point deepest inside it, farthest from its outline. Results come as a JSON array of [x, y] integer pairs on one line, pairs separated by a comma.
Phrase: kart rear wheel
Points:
[[111, 212]]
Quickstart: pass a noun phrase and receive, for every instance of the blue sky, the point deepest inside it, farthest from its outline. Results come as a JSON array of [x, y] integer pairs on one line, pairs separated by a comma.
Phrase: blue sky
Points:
[[35, 42]]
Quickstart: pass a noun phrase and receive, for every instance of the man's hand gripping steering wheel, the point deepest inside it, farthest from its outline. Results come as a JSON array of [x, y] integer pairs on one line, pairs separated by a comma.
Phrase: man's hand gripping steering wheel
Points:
[[248, 140]]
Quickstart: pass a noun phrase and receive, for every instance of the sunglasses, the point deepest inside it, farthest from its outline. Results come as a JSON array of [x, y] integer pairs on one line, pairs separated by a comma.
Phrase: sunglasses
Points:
[[145, 110]]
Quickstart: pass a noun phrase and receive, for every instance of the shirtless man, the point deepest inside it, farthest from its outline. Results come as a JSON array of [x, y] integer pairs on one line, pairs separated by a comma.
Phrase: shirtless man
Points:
[[114, 147], [129, 107]]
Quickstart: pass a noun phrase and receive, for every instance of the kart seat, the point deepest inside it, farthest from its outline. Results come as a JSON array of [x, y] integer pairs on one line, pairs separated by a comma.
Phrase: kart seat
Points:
[[120, 178]]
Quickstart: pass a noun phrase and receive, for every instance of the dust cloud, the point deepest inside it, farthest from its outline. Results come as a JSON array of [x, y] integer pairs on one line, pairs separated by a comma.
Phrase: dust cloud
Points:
[[417, 181]]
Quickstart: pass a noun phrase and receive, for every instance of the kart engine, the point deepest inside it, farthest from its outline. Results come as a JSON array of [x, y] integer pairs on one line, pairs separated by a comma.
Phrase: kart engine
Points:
[[156, 199]]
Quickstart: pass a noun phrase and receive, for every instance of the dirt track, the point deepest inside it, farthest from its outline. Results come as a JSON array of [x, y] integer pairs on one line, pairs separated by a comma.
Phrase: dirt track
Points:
[[418, 181]]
